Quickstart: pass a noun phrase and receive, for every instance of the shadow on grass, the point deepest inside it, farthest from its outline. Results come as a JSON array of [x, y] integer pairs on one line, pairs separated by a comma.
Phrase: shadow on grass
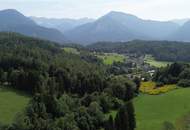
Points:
[[5, 89]]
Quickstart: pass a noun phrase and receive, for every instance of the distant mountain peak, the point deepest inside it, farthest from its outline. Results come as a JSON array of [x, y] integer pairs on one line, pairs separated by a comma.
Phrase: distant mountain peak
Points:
[[117, 13], [121, 14], [11, 12], [12, 16], [13, 21], [119, 26]]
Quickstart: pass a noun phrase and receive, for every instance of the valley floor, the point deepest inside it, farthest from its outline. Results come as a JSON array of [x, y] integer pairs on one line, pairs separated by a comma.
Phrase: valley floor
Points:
[[151, 60]]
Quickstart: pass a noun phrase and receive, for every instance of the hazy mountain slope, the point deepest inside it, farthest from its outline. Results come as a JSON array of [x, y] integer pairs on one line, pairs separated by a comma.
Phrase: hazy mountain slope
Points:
[[117, 26], [180, 21], [13, 21], [62, 25], [103, 29], [182, 34], [13, 17], [154, 29]]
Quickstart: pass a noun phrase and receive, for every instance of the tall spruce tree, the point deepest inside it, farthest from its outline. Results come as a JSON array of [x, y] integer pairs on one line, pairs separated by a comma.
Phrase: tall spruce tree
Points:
[[137, 81], [125, 118], [129, 94], [122, 119], [110, 124], [131, 114]]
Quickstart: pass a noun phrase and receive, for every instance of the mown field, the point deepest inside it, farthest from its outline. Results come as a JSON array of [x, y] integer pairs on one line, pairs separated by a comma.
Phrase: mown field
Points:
[[150, 60], [153, 110], [110, 58], [71, 50], [11, 102]]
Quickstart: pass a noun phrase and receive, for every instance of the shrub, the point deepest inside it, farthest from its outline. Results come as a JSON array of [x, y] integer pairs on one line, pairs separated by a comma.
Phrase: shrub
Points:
[[152, 89], [159, 84], [117, 103], [168, 126], [184, 83]]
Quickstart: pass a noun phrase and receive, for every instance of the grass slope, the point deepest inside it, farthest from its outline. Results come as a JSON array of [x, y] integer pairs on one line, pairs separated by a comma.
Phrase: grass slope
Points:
[[152, 111], [11, 102], [71, 50], [110, 58], [150, 60]]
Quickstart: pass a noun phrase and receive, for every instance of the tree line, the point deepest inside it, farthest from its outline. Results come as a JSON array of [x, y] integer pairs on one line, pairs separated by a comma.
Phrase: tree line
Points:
[[176, 73], [160, 50]]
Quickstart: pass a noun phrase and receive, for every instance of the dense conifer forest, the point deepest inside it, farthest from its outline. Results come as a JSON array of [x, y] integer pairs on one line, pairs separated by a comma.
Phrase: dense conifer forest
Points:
[[160, 50], [69, 92]]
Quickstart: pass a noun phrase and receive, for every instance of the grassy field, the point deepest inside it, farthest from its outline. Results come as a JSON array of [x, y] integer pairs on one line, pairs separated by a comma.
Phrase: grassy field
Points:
[[110, 58], [71, 50], [150, 60], [11, 102], [152, 111]]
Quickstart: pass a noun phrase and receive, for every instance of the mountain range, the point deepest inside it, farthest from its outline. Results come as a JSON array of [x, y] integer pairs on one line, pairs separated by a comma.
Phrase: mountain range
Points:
[[13, 21], [112, 27], [62, 25], [118, 26], [182, 34]]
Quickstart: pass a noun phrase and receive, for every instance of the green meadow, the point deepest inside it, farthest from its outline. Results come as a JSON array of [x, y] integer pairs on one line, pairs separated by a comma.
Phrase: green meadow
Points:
[[11, 102], [151, 60], [110, 58], [153, 110], [71, 50]]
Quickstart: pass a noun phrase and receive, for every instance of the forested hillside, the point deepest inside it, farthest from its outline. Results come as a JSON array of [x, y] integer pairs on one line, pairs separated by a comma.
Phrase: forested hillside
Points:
[[160, 50], [69, 91]]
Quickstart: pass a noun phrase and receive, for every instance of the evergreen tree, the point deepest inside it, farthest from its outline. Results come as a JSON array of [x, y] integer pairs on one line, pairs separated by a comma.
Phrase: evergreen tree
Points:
[[125, 118], [138, 84], [131, 114], [110, 124], [129, 92], [122, 119]]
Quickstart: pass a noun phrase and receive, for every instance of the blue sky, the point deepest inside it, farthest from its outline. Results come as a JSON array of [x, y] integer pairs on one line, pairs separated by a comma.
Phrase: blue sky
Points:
[[147, 9]]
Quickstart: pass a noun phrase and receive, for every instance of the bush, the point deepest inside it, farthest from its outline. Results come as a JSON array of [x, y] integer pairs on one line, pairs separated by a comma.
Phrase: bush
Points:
[[105, 101], [152, 89], [168, 126], [117, 103], [159, 84], [183, 122], [184, 83]]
